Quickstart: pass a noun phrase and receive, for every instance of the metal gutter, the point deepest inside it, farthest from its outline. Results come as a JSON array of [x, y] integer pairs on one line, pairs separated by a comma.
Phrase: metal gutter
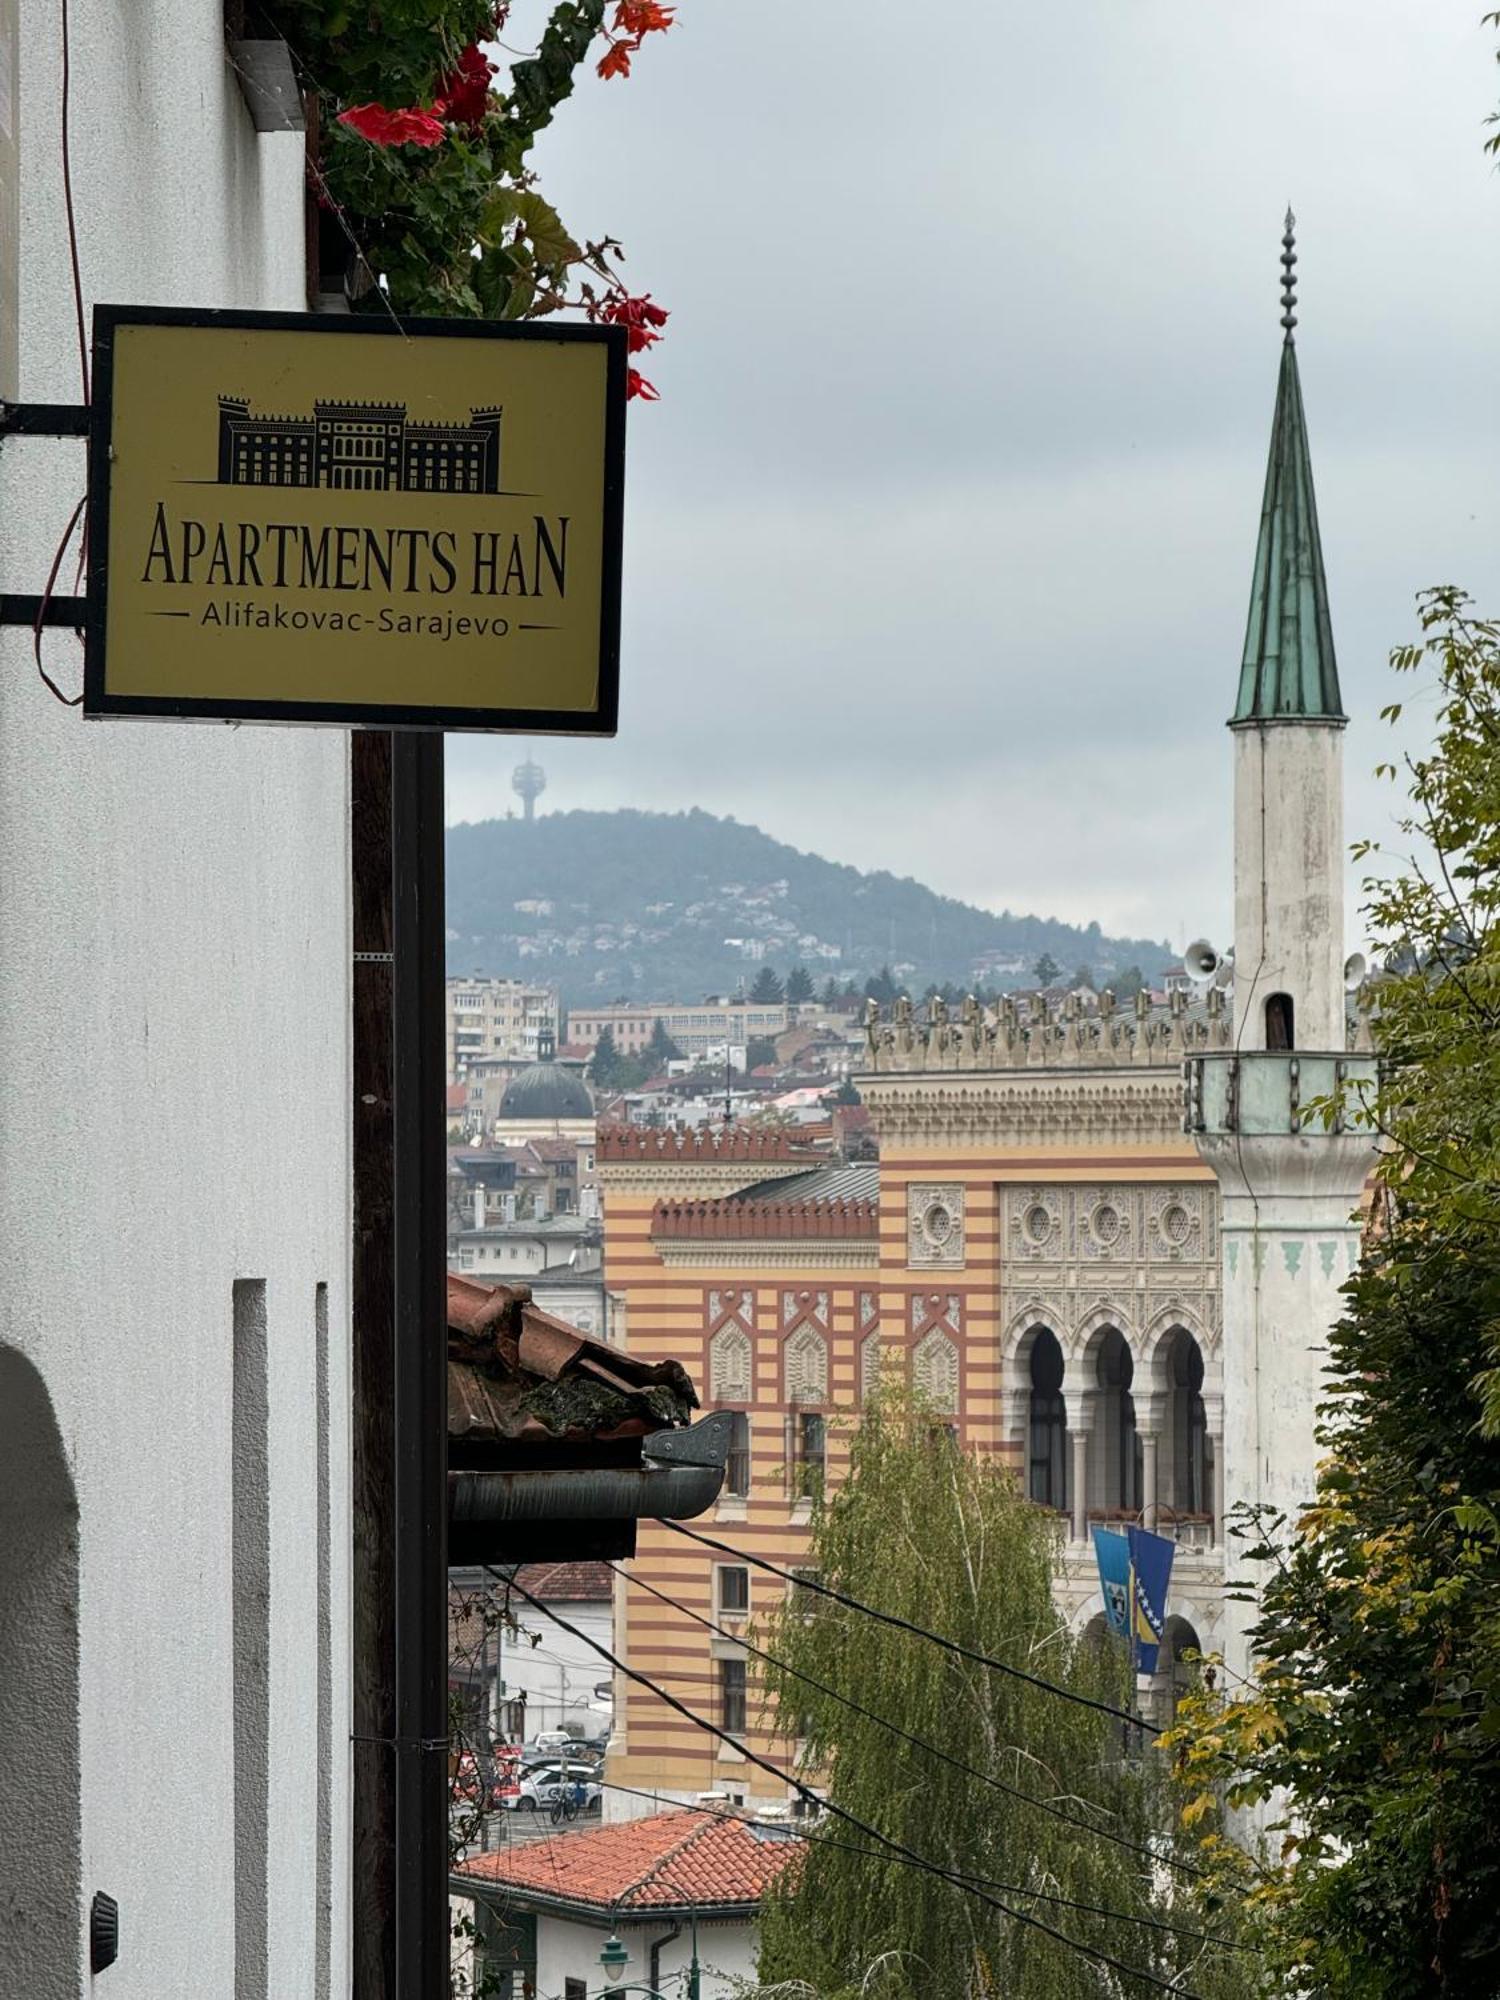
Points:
[[680, 1474], [613, 1915]]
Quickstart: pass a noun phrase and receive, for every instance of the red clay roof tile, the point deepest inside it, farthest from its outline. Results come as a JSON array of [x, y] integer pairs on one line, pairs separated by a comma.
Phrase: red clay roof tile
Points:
[[672, 1860]]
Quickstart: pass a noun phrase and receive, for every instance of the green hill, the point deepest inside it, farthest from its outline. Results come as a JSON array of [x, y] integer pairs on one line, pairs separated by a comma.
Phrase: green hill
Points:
[[672, 906]]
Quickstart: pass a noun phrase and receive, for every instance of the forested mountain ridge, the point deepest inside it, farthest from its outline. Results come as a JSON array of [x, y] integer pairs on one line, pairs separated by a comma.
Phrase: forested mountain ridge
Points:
[[673, 906]]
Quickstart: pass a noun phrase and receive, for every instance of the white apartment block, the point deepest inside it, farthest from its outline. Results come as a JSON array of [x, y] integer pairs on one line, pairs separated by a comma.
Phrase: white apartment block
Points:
[[497, 1020]]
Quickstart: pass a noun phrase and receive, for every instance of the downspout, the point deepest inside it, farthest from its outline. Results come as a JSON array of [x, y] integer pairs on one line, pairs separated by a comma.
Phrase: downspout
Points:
[[658, 1946]]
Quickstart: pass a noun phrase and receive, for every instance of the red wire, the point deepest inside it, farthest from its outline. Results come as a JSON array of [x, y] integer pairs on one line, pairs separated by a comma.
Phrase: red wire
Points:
[[67, 700], [67, 174]]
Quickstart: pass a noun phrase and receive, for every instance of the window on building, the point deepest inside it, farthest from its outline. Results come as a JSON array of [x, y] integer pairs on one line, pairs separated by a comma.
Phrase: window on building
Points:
[[1122, 1447], [732, 1696], [733, 1589], [1047, 1481], [575, 1989], [809, 1453], [737, 1466], [1279, 1025]]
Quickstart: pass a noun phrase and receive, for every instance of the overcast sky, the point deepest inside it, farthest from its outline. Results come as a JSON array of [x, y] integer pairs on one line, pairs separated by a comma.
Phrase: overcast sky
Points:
[[938, 544]]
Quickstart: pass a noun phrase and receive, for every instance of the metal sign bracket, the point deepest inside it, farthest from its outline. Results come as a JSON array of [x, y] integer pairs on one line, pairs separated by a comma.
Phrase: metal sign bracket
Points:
[[58, 420]]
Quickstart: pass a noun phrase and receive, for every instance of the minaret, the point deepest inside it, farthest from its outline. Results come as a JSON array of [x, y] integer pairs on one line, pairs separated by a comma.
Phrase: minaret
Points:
[[1288, 1184]]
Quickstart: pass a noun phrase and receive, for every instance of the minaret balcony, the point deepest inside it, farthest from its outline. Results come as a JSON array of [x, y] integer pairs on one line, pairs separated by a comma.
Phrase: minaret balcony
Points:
[[1276, 1093]]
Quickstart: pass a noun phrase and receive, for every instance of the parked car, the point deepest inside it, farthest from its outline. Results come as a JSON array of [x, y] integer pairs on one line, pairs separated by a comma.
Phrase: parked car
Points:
[[535, 1789]]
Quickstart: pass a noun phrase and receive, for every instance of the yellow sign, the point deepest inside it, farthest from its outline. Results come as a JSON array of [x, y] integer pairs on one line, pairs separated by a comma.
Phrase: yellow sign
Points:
[[334, 519]]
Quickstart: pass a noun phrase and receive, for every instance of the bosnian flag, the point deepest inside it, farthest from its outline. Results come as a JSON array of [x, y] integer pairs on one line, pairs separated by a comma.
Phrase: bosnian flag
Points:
[[1150, 1573]]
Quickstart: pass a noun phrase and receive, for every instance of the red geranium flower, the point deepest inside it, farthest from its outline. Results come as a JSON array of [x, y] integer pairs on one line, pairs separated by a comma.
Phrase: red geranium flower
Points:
[[392, 128], [617, 61], [637, 385], [642, 17], [641, 316], [464, 93]]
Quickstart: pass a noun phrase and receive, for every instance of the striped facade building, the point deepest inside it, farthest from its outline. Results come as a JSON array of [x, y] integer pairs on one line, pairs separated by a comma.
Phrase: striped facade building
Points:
[[1107, 1245], [1037, 1249]]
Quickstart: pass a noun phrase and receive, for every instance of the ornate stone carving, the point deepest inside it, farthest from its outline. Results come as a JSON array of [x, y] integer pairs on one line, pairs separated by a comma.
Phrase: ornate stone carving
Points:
[[806, 1360], [869, 1366], [935, 1224], [934, 1368], [869, 1309], [1078, 1256], [730, 1365]]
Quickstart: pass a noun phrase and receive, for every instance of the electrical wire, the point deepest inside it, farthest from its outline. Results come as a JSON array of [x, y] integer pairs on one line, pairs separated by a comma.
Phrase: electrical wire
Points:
[[806, 1792], [919, 1631], [919, 1743], [979, 1881]]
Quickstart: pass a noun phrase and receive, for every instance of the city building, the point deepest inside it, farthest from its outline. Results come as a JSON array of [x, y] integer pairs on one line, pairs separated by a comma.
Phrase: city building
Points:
[[363, 447], [665, 1887], [175, 1387], [697, 1030], [547, 1099], [496, 1021], [1130, 1311]]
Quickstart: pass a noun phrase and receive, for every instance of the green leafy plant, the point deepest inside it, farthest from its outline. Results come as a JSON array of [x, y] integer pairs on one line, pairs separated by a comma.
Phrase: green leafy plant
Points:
[[422, 165], [1370, 1738]]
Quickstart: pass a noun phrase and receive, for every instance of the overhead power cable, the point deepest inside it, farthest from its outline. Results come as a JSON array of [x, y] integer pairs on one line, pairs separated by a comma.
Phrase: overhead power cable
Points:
[[917, 1742], [918, 1631], [978, 1881], [806, 1792]]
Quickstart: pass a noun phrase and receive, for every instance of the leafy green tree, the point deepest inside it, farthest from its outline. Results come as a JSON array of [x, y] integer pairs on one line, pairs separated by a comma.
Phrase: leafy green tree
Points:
[[1046, 971], [799, 986], [1374, 1726], [759, 1051], [607, 1070], [1127, 984], [831, 992], [767, 989], [661, 1048], [1084, 976], [881, 987], [942, 1537]]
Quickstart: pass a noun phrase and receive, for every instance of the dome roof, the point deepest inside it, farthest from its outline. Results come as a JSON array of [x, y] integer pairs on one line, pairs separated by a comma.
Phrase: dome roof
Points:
[[545, 1090]]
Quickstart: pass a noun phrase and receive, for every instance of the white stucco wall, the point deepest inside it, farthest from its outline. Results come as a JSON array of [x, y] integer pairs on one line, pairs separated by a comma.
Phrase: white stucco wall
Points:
[[726, 1956], [1289, 879], [173, 928], [558, 1676]]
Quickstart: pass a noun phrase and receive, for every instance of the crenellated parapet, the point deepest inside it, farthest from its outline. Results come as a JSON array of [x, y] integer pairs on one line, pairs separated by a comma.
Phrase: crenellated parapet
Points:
[[825, 1219], [1035, 1035], [1068, 1034], [739, 1145]]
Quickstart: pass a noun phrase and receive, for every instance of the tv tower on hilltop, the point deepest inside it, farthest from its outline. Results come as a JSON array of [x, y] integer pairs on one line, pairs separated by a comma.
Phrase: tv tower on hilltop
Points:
[[528, 781]]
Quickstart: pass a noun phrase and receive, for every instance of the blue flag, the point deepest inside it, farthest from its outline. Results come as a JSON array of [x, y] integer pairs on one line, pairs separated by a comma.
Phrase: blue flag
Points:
[[1150, 1573], [1112, 1552]]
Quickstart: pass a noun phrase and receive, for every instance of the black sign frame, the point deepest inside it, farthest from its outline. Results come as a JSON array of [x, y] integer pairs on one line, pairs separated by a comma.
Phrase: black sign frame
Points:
[[601, 720]]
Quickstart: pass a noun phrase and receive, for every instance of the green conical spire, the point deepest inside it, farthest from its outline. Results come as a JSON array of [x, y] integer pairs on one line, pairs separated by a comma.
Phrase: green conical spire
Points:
[[1289, 668]]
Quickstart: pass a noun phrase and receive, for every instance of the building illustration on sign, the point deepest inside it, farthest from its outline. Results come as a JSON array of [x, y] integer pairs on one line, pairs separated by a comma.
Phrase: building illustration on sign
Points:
[[358, 447]]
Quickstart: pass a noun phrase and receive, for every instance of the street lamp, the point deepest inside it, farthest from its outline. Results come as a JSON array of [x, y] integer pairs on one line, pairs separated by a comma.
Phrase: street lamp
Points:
[[615, 1957]]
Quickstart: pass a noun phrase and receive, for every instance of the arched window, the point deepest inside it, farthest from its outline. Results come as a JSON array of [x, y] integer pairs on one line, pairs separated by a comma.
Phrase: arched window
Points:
[[806, 1367], [1047, 1428], [1119, 1483], [729, 1358], [1280, 1033], [934, 1370], [39, 1843], [1178, 1640], [1186, 1483]]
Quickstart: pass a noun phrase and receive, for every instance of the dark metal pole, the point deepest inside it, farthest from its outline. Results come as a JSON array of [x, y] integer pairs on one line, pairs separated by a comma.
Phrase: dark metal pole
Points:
[[419, 1373], [373, 1939]]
